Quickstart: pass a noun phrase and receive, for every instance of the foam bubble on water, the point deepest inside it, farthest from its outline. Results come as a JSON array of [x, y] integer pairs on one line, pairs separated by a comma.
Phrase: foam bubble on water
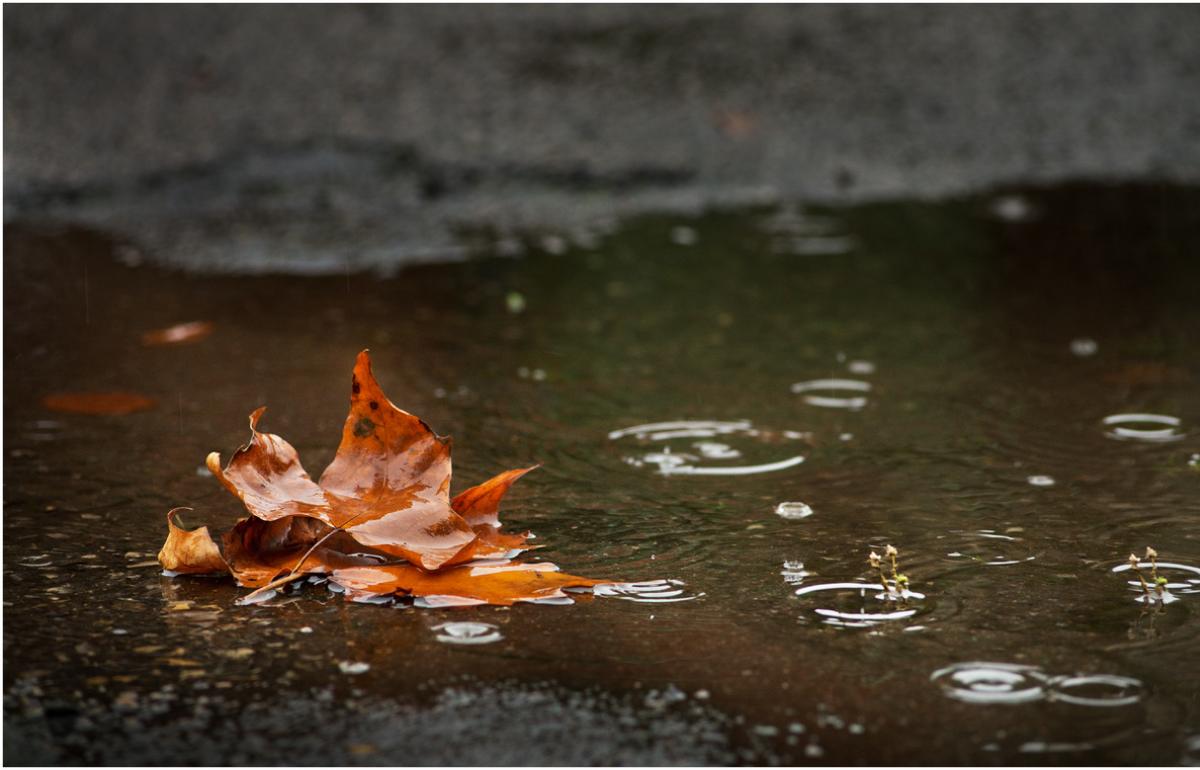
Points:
[[1041, 481], [793, 510], [353, 668]]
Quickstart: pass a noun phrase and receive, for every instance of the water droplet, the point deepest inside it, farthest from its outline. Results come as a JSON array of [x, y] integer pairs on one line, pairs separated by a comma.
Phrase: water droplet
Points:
[[515, 302], [1041, 481], [794, 510], [1132, 427], [793, 572], [468, 633], [813, 397], [683, 236], [554, 244], [1084, 347], [861, 367], [1012, 208]]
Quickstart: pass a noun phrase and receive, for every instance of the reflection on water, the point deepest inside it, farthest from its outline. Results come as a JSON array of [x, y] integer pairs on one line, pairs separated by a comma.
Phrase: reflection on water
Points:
[[946, 400]]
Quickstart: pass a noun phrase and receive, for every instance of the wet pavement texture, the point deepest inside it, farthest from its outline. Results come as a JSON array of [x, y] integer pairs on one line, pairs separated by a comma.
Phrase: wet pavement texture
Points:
[[317, 138], [1001, 386]]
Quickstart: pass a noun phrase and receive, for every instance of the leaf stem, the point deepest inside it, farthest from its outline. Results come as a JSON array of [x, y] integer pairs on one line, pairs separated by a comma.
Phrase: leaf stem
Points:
[[295, 572]]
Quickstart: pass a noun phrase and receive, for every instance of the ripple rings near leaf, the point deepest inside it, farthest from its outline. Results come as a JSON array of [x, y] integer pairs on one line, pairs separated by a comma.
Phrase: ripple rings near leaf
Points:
[[650, 591]]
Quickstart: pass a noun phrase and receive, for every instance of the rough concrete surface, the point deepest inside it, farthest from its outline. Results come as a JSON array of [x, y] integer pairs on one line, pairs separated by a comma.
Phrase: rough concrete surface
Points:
[[317, 138]]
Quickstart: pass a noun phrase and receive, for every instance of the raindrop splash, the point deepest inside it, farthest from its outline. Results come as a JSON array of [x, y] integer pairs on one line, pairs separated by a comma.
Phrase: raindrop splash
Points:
[[463, 632], [795, 510]]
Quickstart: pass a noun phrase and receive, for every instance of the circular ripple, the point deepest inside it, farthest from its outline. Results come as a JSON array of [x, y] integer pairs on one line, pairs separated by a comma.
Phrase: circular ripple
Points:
[[813, 396], [688, 448], [1186, 583], [649, 591], [1133, 427], [864, 611], [468, 633], [1101, 690], [991, 683], [989, 548]]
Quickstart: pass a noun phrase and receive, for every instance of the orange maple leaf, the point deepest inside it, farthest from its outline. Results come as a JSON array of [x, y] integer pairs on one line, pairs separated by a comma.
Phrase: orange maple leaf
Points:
[[381, 514]]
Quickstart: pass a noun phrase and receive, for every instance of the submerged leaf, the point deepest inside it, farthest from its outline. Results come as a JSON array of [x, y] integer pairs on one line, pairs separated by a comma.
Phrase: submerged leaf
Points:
[[98, 403]]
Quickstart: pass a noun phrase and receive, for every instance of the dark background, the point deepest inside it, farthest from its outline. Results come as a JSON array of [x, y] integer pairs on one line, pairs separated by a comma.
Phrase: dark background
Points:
[[218, 137]]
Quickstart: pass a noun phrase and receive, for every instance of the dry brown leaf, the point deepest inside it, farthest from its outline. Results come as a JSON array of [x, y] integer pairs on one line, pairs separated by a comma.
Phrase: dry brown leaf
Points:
[[381, 516], [98, 403], [193, 552], [388, 484], [178, 334]]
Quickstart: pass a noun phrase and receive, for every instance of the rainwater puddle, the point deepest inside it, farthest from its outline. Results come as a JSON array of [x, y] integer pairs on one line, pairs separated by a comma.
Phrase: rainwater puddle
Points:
[[649, 367]]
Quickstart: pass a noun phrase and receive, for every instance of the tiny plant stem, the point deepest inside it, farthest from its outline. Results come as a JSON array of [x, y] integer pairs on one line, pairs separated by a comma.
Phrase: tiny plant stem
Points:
[[1145, 585], [295, 572]]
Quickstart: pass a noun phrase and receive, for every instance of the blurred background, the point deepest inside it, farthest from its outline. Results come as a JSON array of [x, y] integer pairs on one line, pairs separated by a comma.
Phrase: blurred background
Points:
[[373, 136]]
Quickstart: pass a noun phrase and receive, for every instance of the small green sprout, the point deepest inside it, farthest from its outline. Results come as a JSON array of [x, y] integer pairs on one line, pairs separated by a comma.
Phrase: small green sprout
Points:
[[1157, 581], [898, 583]]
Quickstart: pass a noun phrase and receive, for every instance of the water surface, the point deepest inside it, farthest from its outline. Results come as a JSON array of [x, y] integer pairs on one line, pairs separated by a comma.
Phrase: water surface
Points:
[[954, 381]]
